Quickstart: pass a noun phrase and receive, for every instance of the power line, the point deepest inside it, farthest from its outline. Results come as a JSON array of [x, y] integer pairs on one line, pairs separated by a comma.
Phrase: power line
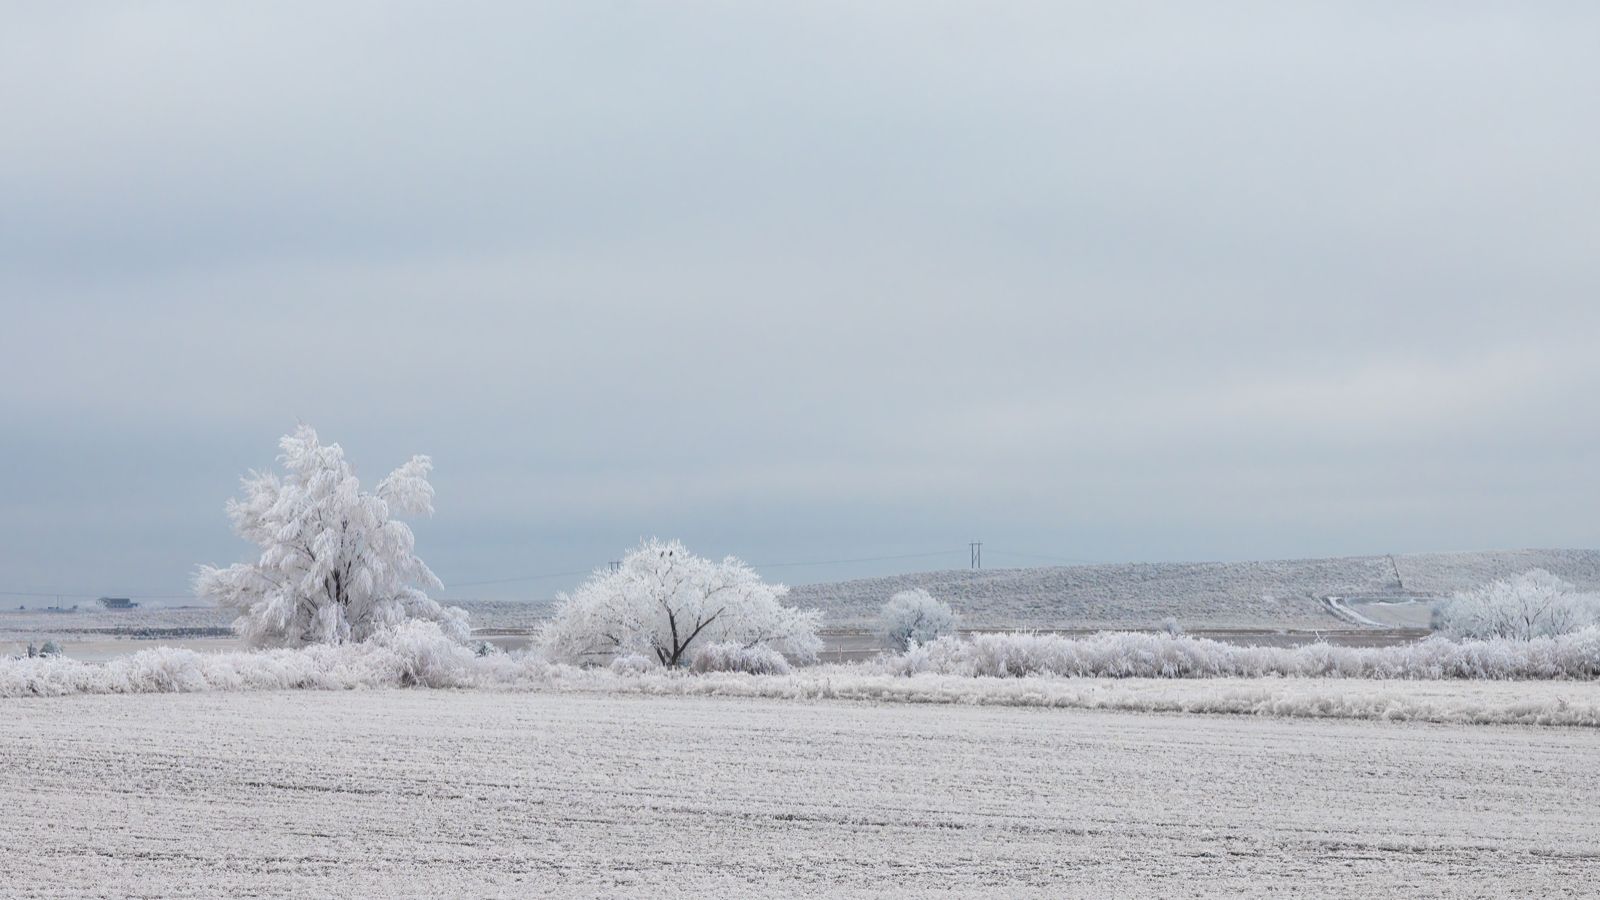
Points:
[[462, 584], [68, 595], [1060, 559], [616, 564], [516, 578], [835, 562]]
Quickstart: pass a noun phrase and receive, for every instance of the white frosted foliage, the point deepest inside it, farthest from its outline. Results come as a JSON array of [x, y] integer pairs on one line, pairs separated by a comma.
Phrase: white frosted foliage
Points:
[[663, 602], [1534, 604], [334, 567], [914, 617]]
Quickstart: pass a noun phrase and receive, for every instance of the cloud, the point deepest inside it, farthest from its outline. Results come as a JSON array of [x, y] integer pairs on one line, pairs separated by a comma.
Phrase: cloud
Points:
[[802, 283]]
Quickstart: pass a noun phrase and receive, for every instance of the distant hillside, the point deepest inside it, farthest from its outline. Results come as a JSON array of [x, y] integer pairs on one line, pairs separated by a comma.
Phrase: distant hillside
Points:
[[1277, 594], [1272, 594]]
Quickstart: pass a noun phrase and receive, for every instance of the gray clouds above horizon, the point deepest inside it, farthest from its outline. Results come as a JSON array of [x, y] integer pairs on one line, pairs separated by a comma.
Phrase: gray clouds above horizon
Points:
[[806, 281]]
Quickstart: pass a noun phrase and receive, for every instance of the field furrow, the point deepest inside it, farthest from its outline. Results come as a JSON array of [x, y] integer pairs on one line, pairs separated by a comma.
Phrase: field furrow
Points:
[[423, 793]]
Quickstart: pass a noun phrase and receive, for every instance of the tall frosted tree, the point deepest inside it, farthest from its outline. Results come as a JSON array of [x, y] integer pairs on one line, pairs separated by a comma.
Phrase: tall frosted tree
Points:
[[334, 566]]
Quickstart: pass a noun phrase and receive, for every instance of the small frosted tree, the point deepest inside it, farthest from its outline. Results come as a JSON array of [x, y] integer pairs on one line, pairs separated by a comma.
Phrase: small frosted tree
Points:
[[664, 601], [334, 566], [1534, 604], [914, 616]]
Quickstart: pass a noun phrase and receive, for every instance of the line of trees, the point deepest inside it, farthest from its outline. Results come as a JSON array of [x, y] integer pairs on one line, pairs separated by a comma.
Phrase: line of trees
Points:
[[336, 566]]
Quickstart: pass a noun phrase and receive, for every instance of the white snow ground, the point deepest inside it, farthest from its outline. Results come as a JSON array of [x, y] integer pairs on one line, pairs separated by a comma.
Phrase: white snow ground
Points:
[[444, 793]]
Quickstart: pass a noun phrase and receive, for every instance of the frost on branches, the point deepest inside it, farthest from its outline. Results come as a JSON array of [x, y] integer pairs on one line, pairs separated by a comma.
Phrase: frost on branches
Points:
[[914, 617], [663, 601], [334, 567], [1534, 604]]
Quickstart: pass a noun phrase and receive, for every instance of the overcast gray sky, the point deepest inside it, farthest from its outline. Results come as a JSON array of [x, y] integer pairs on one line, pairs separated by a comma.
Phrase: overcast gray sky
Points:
[[803, 281]]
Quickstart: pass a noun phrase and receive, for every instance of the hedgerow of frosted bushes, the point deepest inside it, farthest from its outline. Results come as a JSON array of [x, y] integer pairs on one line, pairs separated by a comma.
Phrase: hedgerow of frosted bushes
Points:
[[729, 657], [419, 654], [1140, 655]]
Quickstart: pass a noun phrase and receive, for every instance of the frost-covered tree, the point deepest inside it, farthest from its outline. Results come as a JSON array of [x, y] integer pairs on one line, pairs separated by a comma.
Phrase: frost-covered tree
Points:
[[1534, 604], [914, 616], [662, 601], [334, 566]]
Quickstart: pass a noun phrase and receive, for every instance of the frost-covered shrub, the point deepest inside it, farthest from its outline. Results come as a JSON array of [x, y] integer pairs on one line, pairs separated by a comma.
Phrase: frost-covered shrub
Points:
[[1534, 604], [1135, 654], [633, 664], [725, 657], [663, 602], [420, 655], [49, 648], [914, 617], [945, 655], [414, 654], [424, 656], [334, 567]]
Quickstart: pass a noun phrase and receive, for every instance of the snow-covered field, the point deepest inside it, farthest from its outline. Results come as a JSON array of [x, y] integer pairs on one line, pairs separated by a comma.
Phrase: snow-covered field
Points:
[[1409, 613], [164, 622], [443, 793]]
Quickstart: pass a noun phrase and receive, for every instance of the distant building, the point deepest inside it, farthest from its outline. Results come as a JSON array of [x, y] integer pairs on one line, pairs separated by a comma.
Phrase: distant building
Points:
[[117, 603]]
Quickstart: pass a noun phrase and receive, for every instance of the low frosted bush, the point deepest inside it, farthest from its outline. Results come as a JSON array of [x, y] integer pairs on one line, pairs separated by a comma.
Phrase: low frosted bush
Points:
[[727, 657], [914, 617], [416, 654], [1138, 654], [419, 654], [50, 648], [422, 654], [632, 664]]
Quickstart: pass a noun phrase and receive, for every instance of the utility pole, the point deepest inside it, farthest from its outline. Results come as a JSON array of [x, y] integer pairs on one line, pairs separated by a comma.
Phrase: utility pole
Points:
[[976, 549], [616, 565]]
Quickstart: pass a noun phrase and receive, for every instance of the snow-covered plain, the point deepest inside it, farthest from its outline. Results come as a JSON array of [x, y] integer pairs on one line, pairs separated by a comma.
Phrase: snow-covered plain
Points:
[[91, 621], [448, 793]]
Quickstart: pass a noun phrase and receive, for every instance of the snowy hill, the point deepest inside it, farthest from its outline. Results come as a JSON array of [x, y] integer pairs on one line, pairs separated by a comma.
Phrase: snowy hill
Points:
[[1240, 595], [1270, 594]]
